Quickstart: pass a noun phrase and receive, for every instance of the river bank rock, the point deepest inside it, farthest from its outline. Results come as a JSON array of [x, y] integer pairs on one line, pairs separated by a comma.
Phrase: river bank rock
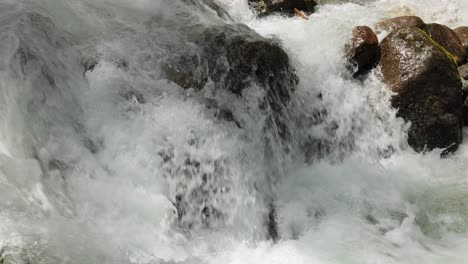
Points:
[[392, 24], [285, 7], [427, 86], [448, 39], [362, 49]]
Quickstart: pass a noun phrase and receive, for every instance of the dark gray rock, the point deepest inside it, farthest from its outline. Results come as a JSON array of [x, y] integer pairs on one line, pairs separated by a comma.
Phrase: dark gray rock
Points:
[[234, 57]]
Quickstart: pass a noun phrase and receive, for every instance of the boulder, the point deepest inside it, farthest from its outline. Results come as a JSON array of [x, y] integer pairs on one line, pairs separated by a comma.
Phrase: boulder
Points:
[[390, 25], [362, 49], [448, 39], [462, 33], [235, 57], [428, 88], [267, 7]]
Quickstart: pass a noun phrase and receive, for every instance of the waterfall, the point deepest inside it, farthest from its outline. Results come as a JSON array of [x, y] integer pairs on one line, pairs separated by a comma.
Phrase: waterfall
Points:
[[132, 132]]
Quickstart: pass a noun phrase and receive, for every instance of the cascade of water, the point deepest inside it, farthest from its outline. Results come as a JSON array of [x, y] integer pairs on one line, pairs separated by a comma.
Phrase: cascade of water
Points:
[[130, 135]]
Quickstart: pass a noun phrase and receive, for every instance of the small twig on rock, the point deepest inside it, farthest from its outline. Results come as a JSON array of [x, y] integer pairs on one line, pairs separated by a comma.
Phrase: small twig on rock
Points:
[[300, 14]]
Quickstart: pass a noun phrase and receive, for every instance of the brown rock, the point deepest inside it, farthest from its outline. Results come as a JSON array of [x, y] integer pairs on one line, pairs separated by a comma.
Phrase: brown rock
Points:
[[448, 39], [428, 88], [462, 33], [362, 49], [399, 22], [267, 7]]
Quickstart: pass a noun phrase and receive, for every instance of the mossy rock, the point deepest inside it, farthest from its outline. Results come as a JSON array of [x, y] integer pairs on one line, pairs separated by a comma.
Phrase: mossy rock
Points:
[[428, 88], [448, 39]]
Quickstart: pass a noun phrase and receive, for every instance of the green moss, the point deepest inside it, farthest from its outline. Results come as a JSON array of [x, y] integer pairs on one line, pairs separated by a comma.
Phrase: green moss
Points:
[[447, 53]]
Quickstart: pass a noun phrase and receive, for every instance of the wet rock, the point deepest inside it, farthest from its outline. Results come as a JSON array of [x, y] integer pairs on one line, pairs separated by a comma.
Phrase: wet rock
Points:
[[221, 113], [465, 109], [362, 50], [235, 57], [427, 86], [249, 59], [272, 225], [185, 70], [448, 39], [462, 33], [399, 22], [201, 190], [267, 7], [463, 70]]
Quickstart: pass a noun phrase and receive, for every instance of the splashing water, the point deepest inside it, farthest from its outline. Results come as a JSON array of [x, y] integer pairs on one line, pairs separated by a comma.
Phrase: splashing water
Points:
[[117, 164]]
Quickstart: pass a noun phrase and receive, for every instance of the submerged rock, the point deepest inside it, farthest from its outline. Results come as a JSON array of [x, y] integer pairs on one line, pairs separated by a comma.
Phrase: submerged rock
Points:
[[272, 224], [362, 50], [390, 25], [185, 71], [267, 7], [220, 64], [428, 88], [448, 39]]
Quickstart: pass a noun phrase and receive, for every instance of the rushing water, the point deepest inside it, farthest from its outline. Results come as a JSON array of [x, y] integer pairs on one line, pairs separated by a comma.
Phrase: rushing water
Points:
[[91, 162]]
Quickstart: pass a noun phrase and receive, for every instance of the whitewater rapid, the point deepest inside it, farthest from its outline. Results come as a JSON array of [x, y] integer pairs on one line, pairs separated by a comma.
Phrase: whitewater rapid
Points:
[[83, 176]]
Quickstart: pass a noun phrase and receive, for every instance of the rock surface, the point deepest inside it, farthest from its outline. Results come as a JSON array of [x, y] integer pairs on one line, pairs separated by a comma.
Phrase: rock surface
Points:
[[427, 86], [234, 57], [463, 70], [267, 7], [362, 50], [184, 70], [462, 33], [448, 39], [390, 25]]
